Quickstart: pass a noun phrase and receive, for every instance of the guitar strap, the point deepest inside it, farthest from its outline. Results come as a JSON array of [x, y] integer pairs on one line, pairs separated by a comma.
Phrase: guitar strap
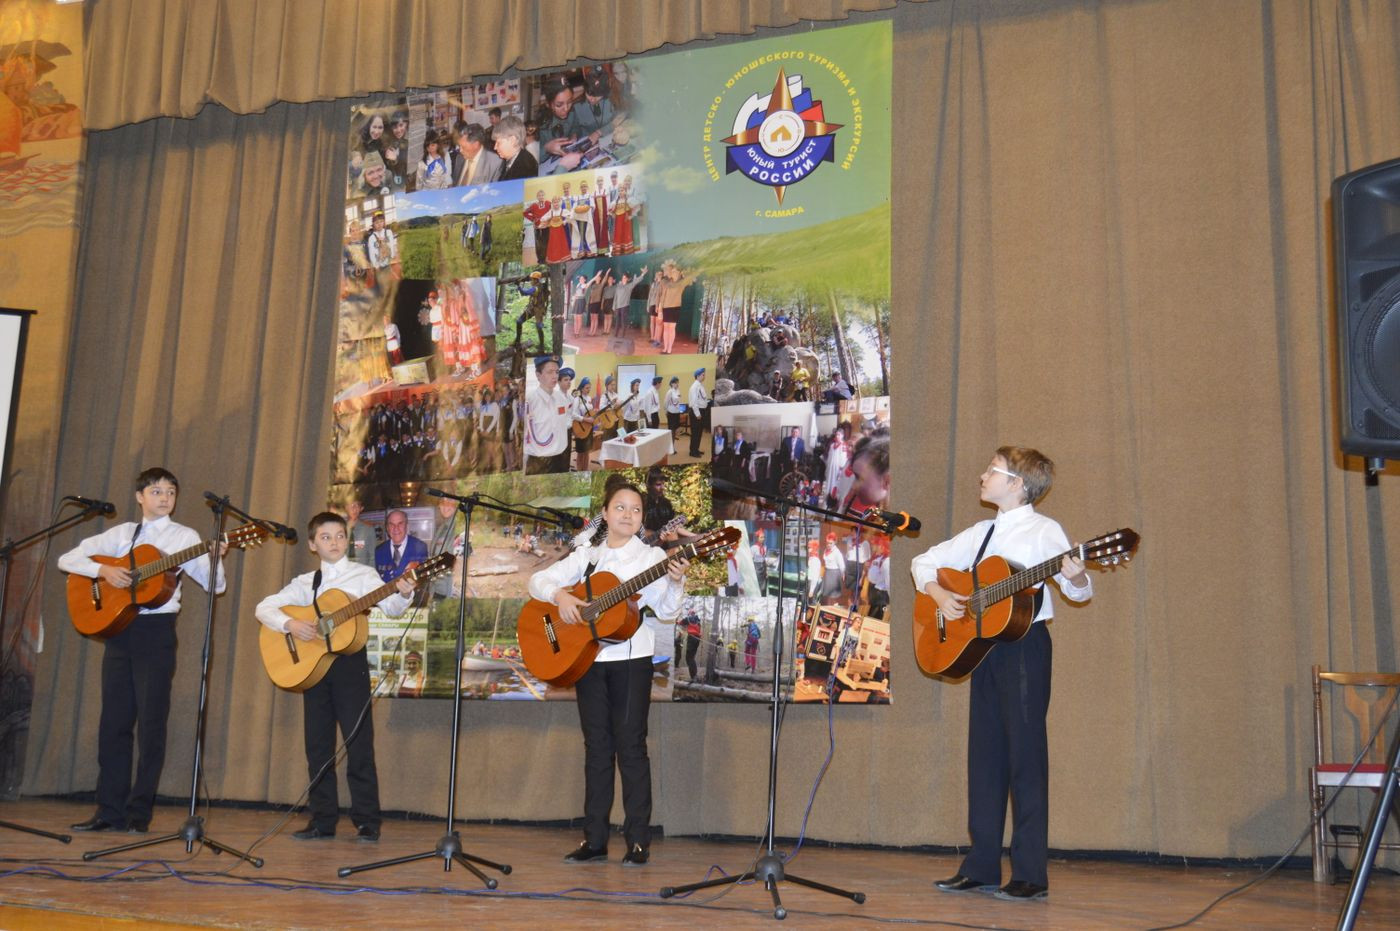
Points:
[[315, 605], [588, 590], [977, 559]]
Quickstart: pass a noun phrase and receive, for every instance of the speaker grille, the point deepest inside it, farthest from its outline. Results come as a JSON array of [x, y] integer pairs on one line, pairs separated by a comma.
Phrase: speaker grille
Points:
[[1380, 349], [1379, 429]]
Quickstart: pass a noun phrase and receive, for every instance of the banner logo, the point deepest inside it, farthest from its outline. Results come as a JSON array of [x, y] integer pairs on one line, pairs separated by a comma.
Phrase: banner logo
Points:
[[780, 138]]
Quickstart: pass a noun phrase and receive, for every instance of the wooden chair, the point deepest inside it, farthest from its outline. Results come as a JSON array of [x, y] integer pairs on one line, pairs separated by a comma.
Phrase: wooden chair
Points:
[[1364, 695]]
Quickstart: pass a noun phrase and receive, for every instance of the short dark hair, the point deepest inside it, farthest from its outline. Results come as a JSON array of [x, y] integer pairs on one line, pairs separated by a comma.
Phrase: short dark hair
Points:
[[320, 520], [149, 477]]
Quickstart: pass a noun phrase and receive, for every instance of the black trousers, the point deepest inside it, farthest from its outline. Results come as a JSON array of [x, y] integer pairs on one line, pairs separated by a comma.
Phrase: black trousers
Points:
[[613, 700], [338, 699], [692, 646], [697, 427], [138, 666], [1008, 756]]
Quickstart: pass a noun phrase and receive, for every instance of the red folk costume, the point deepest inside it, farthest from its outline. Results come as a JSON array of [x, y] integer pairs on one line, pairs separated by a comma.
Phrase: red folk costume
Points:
[[558, 239], [622, 228]]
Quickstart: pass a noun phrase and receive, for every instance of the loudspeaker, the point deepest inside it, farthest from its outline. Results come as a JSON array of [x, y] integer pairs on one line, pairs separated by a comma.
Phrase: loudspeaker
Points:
[[1366, 247]]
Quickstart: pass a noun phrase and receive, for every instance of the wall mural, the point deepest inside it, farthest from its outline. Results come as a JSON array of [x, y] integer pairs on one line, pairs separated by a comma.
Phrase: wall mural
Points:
[[702, 241]]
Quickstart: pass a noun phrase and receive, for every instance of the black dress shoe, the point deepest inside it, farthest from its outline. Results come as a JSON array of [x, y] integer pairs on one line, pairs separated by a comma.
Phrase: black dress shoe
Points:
[[960, 883], [586, 854], [311, 832], [1021, 891], [367, 834], [636, 855], [138, 827], [95, 823]]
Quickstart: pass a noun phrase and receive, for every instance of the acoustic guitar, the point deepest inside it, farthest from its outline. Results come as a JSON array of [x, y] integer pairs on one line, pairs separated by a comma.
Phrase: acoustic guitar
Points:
[[560, 653], [100, 609], [611, 416], [343, 622], [1000, 605]]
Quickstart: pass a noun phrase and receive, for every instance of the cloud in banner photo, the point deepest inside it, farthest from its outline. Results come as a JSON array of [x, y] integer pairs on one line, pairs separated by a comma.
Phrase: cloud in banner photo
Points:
[[459, 232]]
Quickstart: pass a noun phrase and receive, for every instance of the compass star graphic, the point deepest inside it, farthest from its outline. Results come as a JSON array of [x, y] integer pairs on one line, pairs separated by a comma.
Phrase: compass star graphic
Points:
[[793, 141]]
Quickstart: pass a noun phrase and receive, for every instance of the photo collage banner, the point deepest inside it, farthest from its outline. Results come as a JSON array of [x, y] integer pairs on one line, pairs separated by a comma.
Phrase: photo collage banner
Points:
[[676, 268]]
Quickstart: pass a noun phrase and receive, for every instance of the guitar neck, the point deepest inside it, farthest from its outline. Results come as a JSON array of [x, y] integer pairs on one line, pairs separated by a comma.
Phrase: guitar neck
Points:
[[633, 585], [166, 563], [1024, 579], [363, 603]]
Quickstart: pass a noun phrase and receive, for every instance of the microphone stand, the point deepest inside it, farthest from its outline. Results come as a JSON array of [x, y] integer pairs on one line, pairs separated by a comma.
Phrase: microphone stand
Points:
[[192, 831], [769, 867], [7, 552], [449, 846]]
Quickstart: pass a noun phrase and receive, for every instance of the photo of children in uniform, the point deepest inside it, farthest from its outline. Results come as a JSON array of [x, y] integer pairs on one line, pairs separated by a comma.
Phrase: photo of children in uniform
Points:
[[618, 410], [378, 163], [459, 232], [585, 214], [723, 648], [583, 118], [842, 657], [425, 433], [631, 306]]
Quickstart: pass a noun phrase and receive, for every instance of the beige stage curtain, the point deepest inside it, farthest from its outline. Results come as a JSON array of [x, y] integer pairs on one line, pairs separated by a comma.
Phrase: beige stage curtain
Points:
[[1110, 239], [150, 58]]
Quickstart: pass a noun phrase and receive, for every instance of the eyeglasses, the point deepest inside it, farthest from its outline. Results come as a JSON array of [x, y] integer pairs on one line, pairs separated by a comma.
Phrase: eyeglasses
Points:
[[1002, 471]]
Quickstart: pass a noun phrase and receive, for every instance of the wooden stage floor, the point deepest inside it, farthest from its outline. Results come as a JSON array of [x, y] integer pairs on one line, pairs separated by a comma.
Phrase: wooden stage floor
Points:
[[46, 885]]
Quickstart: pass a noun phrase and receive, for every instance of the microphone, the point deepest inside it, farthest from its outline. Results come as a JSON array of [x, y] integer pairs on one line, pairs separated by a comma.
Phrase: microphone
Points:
[[566, 520], [439, 493], [92, 504], [282, 530], [894, 521]]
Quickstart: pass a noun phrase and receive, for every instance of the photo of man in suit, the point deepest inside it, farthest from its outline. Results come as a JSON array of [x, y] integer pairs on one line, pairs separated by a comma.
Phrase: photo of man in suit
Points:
[[478, 164], [393, 557], [792, 450]]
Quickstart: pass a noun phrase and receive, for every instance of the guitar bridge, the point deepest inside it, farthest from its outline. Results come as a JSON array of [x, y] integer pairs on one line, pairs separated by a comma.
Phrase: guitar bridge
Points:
[[550, 634], [96, 595], [942, 627]]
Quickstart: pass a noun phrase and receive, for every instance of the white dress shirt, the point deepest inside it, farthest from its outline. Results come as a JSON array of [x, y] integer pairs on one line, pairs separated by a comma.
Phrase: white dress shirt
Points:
[[632, 558], [548, 433], [1022, 537], [353, 578], [699, 397], [164, 534]]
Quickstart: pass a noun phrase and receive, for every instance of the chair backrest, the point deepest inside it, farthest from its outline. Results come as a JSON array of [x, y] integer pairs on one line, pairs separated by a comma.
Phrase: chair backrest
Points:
[[1365, 695]]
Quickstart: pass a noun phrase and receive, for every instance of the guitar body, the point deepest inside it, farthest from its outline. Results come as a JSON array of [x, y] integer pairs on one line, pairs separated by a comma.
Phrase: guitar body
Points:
[[609, 419], [299, 666], [582, 429], [102, 610], [560, 653], [953, 647]]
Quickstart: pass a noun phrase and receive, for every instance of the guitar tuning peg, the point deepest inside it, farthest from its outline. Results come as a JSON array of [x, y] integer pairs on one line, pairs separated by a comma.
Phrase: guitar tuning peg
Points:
[[1127, 557]]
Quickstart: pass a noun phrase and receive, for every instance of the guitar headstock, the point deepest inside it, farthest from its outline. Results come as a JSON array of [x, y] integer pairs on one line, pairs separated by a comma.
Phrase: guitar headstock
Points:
[[725, 538], [1111, 548], [246, 535], [432, 567]]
